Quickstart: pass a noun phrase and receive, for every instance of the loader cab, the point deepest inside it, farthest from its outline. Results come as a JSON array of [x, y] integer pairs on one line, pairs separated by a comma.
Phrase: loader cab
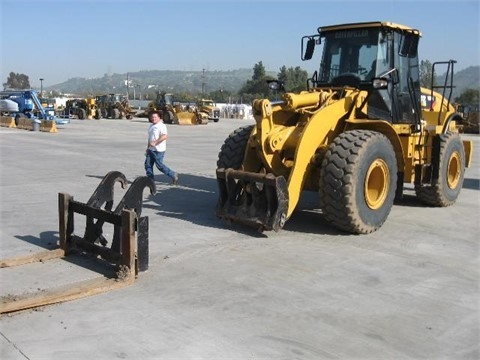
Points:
[[117, 98], [357, 55], [164, 100]]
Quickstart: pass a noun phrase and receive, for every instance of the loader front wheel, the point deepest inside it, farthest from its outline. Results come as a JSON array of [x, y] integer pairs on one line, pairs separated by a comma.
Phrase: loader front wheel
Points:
[[82, 114], [233, 149], [449, 170], [358, 179]]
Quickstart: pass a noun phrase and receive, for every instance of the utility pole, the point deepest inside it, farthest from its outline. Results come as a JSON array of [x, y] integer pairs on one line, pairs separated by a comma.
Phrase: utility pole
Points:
[[41, 87], [203, 81], [139, 92], [128, 92]]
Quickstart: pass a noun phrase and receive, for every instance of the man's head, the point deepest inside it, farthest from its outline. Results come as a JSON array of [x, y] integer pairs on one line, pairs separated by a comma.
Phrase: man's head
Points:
[[155, 116]]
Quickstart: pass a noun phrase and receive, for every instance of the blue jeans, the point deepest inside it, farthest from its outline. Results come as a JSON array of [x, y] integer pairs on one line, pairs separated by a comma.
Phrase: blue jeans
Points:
[[156, 157]]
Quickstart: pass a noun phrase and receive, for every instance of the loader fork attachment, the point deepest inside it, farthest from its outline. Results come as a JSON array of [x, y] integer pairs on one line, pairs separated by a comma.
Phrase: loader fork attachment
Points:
[[103, 196], [133, 200], [257, 200], [128, 253]]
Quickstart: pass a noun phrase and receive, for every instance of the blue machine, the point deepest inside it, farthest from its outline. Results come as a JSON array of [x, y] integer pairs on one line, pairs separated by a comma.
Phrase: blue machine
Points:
[[29, 106]]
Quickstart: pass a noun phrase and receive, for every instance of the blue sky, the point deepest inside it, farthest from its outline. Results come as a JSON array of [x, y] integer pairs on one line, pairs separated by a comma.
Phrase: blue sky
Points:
[[60, 39]]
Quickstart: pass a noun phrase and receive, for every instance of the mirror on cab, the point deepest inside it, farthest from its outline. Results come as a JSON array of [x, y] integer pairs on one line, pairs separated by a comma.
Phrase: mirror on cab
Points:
[[308, 46]]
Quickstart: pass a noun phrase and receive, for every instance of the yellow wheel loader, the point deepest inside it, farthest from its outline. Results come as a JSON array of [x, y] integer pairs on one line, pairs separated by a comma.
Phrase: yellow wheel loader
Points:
[[80, 108], [471, 116], [356, 136], [113, 106], [208, 109], [175, 113]]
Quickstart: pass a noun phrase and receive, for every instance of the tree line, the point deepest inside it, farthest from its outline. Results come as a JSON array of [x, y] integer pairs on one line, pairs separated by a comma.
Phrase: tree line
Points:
[[293, 79]]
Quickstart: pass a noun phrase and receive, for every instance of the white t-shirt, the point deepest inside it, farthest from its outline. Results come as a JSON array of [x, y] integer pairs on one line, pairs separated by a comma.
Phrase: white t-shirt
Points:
[[154, 133]]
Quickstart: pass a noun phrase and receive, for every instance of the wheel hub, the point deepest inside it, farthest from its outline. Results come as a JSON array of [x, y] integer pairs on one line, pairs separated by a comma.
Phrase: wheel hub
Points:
[[453, 170], [377, 183]]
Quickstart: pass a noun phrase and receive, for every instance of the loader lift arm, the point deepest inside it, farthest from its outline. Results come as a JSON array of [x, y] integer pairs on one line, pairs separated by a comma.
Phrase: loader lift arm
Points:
[[266, 200]]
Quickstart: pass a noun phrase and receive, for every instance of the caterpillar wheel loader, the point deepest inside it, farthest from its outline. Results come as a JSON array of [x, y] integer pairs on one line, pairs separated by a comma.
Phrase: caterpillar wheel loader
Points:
[[80, 108], [113, 106], [208, 109], [471, 118], [356, 136], [176, 113]]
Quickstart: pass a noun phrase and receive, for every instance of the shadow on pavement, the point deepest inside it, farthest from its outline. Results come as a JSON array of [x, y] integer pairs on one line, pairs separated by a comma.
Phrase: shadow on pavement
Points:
[[48, 240], [473, 184], [195, 199]]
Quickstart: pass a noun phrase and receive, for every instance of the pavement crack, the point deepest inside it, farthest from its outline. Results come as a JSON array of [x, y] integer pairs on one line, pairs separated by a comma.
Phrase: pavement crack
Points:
[[15, 346]]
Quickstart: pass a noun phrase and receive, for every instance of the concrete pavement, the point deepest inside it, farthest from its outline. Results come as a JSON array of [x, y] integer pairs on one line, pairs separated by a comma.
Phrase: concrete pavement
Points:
[[215, 291]]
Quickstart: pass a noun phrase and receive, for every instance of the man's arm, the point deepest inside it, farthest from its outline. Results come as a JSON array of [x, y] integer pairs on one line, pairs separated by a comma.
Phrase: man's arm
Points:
[[162, 137]]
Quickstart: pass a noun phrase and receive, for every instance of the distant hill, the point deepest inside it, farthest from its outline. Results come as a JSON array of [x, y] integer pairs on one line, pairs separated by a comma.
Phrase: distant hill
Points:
[[193, 81], [164, 80], [468, 78]]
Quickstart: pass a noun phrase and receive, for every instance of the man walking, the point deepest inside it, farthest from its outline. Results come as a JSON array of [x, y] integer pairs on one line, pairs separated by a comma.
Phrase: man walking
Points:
[[157, 145]]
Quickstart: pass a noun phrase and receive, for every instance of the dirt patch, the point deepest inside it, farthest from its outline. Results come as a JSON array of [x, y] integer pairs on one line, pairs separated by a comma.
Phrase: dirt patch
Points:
[[123, 273]]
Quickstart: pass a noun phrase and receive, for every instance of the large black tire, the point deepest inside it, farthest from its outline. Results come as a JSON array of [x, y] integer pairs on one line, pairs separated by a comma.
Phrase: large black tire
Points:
[[358, 179], [233, 149], [448, 172], [98, 114], [81, 113], [168, 117], [115, 114]]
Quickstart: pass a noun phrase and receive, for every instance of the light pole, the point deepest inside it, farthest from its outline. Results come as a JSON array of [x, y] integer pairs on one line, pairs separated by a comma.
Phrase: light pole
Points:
[[139, 93], [41, 87], [128, 90]]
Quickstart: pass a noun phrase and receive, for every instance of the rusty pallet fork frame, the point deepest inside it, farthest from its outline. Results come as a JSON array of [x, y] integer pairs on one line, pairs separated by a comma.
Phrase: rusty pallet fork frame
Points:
[[128, 251]]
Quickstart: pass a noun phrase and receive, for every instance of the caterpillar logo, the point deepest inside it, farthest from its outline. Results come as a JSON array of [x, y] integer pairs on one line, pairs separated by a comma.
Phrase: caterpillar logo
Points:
[[351, 34]]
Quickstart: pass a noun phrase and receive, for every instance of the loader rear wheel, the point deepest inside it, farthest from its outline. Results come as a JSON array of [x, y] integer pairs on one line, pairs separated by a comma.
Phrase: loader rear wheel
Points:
[[448, 176], [168, 117], [233, 149], [358, 179]]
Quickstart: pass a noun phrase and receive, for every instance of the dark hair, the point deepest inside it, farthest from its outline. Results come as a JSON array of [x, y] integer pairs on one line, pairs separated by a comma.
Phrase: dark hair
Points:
[[158, 112]]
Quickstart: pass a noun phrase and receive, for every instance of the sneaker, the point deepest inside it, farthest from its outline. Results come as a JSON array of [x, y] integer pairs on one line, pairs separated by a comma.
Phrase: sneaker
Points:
[[175, 179]]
